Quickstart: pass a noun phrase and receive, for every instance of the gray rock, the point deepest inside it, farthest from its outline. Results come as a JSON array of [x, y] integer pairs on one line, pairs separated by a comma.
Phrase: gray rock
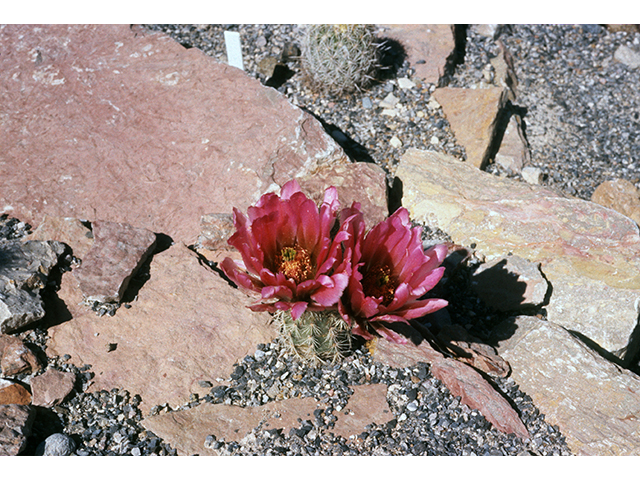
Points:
[[58, 444], [24, 268], [628, 56], [15, 428]]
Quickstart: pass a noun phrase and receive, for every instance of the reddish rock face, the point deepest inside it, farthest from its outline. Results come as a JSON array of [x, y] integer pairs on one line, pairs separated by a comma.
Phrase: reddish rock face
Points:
[[12, 393], [187, 325], [117, 253], [186, 430], [367, 405], [473, 115], [430, 44], [103, 122], [15, 428], [16, 357], [52, 387]]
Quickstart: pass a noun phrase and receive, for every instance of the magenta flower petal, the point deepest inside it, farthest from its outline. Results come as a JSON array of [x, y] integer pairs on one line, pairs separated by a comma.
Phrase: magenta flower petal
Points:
[[290, 256], [391, 272], [298, 309]]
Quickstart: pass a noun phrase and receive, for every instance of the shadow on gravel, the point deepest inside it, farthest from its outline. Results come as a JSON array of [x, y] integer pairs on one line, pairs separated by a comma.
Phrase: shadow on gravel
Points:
[[392, 56], [354, 150]]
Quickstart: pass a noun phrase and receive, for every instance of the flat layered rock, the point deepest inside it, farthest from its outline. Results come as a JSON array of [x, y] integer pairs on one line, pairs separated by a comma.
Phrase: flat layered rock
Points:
[[589, 254], [593, 401], [187, 325], [118, 251], [106, 122], [368, 405], [187, 430]]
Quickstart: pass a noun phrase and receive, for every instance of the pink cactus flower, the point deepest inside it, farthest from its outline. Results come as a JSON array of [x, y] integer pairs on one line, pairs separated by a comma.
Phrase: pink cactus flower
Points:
[[391, 272], [290, 255]]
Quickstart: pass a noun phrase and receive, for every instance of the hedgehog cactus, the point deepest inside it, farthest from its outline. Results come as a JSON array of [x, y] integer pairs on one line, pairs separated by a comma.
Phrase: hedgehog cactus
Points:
[[318, 337], [339, 58], [324, 278]]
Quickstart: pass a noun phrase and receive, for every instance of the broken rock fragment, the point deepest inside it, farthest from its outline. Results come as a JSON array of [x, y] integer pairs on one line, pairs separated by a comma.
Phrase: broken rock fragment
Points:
[[24, 268], [16, 357], [15, 428], [52, 387], [117, 253]]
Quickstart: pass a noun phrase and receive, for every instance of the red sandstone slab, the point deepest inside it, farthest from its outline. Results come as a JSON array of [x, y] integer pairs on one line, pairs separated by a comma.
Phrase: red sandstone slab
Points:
[[107, 122]]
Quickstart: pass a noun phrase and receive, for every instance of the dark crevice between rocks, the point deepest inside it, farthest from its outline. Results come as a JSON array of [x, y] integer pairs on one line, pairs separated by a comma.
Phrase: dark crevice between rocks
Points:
[[205, 262], [501, 122], [55, 309], [597, 348], [457, 55], [46, 423], [281, 73], [140, 277], [354, 150], [394, 195], [631, 354]]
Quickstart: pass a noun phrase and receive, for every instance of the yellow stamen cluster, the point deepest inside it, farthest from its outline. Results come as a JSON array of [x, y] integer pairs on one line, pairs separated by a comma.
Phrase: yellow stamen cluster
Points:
[[295, 263], [377, 282]]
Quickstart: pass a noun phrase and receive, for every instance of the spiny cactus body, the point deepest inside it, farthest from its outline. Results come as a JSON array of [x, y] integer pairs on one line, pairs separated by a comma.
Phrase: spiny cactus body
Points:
[[339, 58], [319, 337]]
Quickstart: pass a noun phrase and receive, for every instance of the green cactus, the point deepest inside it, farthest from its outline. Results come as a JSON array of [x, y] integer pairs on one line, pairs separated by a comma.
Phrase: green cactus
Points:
[[339, 58], [319, 337]]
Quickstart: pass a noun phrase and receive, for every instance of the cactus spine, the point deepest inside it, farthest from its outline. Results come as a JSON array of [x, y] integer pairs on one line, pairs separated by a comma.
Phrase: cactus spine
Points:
[[319, 337], [339, 58]]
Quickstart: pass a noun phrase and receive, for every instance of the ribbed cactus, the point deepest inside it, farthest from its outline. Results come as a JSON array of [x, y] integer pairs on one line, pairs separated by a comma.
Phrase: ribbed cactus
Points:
[[339, 58], [319, 337]]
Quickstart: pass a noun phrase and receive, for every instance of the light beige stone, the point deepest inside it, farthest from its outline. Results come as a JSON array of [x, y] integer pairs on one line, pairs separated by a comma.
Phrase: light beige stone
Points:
[[593, 401], [620, 195], [473, 115], [589, 254]]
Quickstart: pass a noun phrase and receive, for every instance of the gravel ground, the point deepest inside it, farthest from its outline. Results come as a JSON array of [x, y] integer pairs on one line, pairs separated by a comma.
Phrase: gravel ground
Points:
[[581, 122]]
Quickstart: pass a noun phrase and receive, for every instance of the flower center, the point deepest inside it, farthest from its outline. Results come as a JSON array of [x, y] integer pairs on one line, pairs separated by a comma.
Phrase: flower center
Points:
[[295, 263], [377, 282]]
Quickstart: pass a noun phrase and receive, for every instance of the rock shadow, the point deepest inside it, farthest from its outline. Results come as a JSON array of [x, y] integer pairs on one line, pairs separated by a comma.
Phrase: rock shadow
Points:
[[456, 57], [354, 150], [391, 56]]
